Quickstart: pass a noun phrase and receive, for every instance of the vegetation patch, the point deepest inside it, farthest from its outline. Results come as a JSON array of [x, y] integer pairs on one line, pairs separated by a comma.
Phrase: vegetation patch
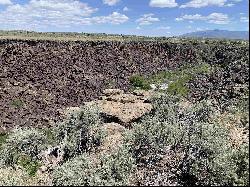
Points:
[[114, 169], [29, 142], [171, 145], [30, 166], [138, 81], [81, 132], [176, 80], [177, 143], [17, 177], [17, 103], [3, 138], [186, 142]]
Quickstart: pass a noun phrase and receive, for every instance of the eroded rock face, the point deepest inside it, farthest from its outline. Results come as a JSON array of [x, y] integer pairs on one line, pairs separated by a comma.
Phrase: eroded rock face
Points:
[[123, 108], [119, 107], [124, 112], [37, 78]]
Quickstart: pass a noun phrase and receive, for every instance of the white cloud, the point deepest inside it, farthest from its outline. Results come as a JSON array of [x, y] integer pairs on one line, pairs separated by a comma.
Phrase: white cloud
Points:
[[111, 2], [230, 4], [5, 2], [203, 3], [244, 19], [163, 3], [125, 9], [216, 18], [193, 17], [147, 19], [57, 13], [179, 19], [163, 28], [115, 18]]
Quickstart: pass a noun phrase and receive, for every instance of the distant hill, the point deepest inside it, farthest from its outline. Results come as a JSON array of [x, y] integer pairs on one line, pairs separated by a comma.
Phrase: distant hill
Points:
[[222, 34]]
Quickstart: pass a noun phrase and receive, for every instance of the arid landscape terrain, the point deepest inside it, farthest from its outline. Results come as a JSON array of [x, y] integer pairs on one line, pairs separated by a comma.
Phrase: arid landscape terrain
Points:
[[123, 111]]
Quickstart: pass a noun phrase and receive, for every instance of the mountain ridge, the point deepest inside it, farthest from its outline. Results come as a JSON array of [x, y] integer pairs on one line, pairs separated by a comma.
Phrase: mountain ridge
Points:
[[222, 34]]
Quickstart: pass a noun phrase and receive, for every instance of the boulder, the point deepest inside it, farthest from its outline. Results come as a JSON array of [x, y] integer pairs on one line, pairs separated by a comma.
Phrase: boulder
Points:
[[116, 106], [124, 98], [124, 112]]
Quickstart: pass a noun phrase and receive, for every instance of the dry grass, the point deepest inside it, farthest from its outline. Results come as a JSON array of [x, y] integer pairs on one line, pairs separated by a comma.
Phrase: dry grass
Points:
[[232, 122], [18, 177]]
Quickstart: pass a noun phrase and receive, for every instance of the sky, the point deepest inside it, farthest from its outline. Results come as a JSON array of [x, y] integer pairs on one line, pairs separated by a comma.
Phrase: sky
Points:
[[132, 17]]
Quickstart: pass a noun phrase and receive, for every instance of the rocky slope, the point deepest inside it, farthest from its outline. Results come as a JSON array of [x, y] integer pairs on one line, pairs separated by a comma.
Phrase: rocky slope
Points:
[[38, 78]]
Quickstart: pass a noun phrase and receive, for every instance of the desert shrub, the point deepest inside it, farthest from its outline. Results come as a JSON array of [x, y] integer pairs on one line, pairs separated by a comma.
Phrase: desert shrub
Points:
[[75, 172], [50, 134], [150, 137], [205, 147], [179, 87], [22, 142], [3, 138], [18, 177], [240, 108], [113, 169], [207, 157], [240, 157], [80, 133], [17, 103], [220, 164], [30, 165], [156, 131]]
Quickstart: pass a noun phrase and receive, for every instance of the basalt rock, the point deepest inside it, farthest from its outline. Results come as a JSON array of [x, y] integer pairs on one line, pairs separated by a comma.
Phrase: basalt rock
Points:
[[38, 78]]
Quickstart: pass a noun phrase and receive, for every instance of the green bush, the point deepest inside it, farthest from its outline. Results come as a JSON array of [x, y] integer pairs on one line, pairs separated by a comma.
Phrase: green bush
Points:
[[179, 87], [207, 157], [18, 177], [113, 169], [138, 81], [177, 79], [81, 132], [3, 138], [75, 172], [29, 165], [17, 103], [22, 142]]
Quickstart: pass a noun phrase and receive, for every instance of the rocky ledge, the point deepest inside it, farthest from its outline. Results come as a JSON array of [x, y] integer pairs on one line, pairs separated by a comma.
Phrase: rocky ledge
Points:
[[119, 107]]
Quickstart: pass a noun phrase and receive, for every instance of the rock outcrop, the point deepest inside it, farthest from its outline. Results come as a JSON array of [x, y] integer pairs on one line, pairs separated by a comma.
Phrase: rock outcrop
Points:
[[124, 108], [119, 107], [37, 78]]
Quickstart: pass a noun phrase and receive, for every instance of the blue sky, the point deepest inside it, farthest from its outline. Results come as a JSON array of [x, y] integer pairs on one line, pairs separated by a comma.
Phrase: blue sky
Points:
[[136, 17]]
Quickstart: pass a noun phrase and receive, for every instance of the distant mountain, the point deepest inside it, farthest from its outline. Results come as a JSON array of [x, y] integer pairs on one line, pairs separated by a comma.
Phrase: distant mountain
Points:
[[221, 34]]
